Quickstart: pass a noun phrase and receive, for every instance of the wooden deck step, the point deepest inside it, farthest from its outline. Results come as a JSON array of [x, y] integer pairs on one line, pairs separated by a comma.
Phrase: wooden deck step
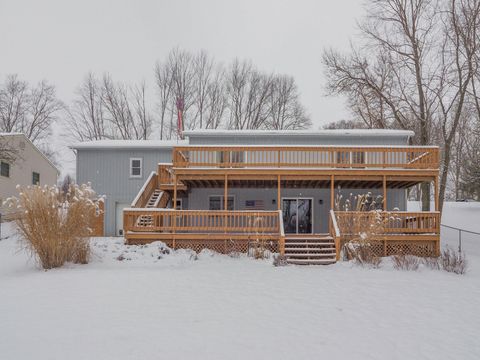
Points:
[[311, 261], [310, 250]]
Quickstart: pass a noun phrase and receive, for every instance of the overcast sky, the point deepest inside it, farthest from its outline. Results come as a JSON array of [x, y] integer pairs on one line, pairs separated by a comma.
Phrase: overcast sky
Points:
[[61, 40]]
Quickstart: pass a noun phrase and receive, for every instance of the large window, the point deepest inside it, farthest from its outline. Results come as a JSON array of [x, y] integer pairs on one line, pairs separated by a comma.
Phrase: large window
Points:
[[5, 169], [35, 178], [135, 167], [216, 202]]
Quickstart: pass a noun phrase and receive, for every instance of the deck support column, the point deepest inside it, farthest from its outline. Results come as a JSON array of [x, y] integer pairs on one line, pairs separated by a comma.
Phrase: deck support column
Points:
[[332, 192], [225, 202], [439, 219], [435, 182], [384, 193], [174, 205], [279, 205]]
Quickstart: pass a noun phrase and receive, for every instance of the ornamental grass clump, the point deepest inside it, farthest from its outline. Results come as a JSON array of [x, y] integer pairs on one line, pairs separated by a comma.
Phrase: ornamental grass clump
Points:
[[56, 225]]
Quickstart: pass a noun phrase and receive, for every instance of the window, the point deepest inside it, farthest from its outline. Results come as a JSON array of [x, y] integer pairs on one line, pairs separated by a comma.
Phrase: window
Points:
[[233, 157], [216, 202], [5, 169], [350, 157], [135, 167], [35, 178], [179, 205]]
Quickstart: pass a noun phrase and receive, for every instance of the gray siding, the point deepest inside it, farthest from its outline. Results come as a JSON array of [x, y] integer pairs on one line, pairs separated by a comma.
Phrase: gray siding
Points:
[[108, 172], [264, 139], [198, 199]]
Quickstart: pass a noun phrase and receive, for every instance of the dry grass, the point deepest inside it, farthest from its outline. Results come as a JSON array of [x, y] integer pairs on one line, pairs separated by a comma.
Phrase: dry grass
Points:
[[406, 262], [362, 253], [56, 226], [453, 261], [280, 260]]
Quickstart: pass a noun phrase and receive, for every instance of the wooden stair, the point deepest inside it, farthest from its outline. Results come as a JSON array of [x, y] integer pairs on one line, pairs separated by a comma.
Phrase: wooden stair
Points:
[[310, 250], [153, 202]]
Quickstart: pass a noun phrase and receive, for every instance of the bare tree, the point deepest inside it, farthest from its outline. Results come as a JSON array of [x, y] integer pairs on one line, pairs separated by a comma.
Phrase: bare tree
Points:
[[86, 116], [286, 111], [26, 109], [417, 60], [248, 91], [164, 80]]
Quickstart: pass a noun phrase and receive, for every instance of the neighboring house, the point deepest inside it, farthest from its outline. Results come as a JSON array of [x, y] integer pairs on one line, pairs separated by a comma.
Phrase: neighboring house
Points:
[[30, 167], [278, 188]]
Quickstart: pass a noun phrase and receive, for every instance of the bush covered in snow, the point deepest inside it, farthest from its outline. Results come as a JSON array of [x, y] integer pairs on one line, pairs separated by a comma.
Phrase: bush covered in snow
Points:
[[406, 262], [56, 225]]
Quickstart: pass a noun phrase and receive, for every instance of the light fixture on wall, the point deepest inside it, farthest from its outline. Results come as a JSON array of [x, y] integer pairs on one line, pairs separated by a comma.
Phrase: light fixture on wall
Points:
[[274, 201], [320, 201]]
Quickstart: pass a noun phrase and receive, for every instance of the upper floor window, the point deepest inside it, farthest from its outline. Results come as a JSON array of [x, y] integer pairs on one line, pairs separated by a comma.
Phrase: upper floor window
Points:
[[4, 169], [135, 167], [35, 178], [350, 157]]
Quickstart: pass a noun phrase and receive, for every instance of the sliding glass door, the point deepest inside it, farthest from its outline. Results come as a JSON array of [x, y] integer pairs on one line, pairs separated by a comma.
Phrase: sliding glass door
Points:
[[297, 215]]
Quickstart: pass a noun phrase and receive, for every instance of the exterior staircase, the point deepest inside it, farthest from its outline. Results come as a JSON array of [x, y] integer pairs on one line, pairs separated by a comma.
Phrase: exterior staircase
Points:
[[310, 250], [153, 202]]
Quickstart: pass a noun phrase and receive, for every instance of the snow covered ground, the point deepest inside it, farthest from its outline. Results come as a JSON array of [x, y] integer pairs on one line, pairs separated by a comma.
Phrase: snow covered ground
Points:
[[140, 303]]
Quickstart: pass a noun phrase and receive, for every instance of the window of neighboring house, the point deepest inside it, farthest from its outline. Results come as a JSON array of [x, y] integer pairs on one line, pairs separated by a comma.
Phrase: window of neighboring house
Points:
[[35, 178], [135, 167], [5, 169], [216, 202]]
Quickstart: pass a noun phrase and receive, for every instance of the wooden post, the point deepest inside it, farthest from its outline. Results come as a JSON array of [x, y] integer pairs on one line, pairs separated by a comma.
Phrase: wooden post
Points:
[[279, 207], [174, 205], [332, 192], [225, 203], [225, 193], [437, 205], [384, 193]]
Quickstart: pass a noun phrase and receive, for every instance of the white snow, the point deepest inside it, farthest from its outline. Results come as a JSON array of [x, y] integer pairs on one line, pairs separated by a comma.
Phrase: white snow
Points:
[[217, 307]]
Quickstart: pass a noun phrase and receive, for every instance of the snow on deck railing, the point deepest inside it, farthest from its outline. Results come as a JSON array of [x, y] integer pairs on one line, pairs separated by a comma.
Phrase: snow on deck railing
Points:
[[142, 189], [334, 222]]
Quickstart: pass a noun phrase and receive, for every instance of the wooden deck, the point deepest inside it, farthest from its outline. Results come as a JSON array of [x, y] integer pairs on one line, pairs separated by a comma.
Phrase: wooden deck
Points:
[[284, 167]]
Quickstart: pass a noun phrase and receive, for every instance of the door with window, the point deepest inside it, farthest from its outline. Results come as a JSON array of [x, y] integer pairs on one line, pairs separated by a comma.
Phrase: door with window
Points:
[[297, 215]]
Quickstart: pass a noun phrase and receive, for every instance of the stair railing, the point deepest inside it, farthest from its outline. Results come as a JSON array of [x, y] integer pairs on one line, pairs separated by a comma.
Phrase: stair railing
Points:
[[335, 233]]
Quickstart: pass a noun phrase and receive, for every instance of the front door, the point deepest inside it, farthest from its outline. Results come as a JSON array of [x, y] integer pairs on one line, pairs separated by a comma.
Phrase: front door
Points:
[[297, 215]]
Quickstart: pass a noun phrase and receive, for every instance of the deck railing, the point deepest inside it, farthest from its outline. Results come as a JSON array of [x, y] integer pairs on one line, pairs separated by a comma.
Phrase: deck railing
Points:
[[202, 221], [412, 157], [390, 222]]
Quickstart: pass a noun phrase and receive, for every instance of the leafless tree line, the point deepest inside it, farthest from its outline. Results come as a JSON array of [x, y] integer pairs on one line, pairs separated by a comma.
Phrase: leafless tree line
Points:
[[238, 96], [416, 68], [104, 109]]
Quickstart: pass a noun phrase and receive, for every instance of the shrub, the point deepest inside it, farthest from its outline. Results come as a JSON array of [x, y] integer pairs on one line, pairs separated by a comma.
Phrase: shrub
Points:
[[56, 226], [449, 260], [406, 262], [453, 261], [362, 253], [280, 260]]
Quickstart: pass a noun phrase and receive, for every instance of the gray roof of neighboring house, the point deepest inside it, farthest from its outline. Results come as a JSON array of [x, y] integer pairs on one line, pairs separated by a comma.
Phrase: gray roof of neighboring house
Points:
[[2, 134]]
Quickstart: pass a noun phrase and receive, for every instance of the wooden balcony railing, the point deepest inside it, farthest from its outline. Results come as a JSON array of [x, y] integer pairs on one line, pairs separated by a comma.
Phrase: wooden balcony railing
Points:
[[389, 222], [386, 227], [202, 221], [412, 157]]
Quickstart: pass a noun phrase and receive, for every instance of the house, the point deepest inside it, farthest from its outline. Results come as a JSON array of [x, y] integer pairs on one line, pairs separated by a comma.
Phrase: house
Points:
[[229, 190], [27, 165]]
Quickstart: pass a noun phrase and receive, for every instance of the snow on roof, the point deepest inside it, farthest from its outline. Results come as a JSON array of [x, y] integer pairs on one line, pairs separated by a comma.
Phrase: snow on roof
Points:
[[320, 133], [130, 144]]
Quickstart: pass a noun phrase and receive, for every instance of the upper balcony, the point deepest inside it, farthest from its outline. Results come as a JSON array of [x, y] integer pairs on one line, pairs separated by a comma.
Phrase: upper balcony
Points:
[[307, 157]]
